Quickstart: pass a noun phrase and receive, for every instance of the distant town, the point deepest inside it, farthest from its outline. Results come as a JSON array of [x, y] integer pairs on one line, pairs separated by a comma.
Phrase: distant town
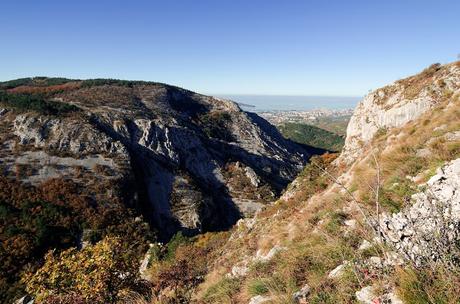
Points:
[[277, 117]]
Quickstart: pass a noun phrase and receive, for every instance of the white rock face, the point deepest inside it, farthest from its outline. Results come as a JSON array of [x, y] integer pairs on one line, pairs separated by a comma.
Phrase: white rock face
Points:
[[428, 228], [145, 264], [452, 136], [367, 295], [395, 105], [239, 270], [259, 299], [338, 271], [25, 300], [300, 296], [242, 268], [270, 254], [251, 174], [173, 146], [365, 244]]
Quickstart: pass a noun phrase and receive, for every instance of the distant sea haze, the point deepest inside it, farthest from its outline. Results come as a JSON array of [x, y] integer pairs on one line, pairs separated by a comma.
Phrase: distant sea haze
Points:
[[298, 103]]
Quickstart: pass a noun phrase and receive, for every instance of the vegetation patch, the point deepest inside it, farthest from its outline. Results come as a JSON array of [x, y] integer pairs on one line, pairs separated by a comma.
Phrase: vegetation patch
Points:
[[312, 136], [36, 103], [182, 265], [100, 273], [34, 82], [117, 82], [222, 291], [427, 286], [53, 216], [217, 125]]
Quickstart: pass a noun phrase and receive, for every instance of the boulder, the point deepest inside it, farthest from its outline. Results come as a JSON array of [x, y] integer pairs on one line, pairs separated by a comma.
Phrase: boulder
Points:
[[366, 295], [300, 296], [338, 271], [259, 299]]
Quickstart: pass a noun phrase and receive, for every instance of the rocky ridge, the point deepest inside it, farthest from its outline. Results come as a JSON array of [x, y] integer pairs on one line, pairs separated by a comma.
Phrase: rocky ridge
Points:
[[190, 161], [402, 139], [398, 103]]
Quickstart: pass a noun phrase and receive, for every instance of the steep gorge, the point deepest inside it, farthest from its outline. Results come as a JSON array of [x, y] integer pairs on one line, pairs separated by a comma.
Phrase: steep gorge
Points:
[[377, 224], [173, 145], [131, 152]]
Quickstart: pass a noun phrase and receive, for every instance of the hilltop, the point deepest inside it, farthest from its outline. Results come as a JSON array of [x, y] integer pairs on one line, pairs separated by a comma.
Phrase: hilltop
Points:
[[82, 160]]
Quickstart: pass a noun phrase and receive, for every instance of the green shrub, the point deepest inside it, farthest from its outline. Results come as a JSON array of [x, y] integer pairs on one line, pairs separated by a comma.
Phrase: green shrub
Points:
[[258, 287], [35, 102], [216, 125], [381, 132], [335, 222], [125, 83], [177, 240], [222, 291]]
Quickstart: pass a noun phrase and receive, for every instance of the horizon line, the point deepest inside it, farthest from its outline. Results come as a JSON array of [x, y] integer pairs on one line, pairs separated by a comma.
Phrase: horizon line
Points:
[[282, 95]]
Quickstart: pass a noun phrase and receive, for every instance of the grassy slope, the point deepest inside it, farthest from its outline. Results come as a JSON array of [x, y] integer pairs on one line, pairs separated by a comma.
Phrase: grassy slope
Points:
[[312, 227], [312, 136], [337, 125]]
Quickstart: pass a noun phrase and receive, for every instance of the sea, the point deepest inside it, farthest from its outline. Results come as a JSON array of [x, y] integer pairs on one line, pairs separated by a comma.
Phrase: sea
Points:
[[261, 103]]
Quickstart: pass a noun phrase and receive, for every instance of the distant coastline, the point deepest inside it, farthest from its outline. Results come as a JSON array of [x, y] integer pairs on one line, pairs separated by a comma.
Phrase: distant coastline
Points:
[[262, 103]]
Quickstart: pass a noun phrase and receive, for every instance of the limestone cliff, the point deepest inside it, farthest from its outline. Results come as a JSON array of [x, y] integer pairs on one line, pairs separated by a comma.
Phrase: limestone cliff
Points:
[[189, 161], [398, 103], [353, 229]]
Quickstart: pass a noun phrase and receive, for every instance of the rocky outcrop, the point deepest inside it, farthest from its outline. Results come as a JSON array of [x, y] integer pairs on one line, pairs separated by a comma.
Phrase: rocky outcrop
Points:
[[396, 104], [367, 295], [300, 297], [428, 230], [172, 149], [260, 299]]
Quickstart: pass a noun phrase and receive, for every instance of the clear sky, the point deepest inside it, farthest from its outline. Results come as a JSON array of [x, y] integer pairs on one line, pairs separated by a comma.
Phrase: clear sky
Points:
[[230, 46]]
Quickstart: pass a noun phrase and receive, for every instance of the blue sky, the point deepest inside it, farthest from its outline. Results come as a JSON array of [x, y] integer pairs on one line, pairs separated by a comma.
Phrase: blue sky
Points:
[[230, 46]]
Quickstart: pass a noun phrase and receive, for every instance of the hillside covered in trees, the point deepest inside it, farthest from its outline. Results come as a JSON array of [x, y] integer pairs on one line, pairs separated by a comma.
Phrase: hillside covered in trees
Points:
[[312, 136]]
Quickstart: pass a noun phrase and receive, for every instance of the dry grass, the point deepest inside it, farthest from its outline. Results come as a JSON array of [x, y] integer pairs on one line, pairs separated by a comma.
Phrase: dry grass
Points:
[[413, 85], [397, 150], [428, 286], [311, 224]]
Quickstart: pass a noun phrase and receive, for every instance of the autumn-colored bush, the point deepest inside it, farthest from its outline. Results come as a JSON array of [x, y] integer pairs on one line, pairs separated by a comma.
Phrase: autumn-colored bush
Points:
[[54, 215], [182, 265], [313, 177], [46, 90], [182, 275], [100, 273]]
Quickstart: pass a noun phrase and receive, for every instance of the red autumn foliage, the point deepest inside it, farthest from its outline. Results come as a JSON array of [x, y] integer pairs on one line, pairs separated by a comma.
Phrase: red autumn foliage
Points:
[[27, 89]]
